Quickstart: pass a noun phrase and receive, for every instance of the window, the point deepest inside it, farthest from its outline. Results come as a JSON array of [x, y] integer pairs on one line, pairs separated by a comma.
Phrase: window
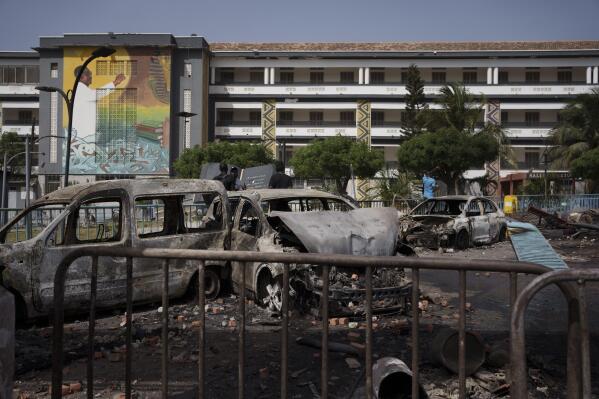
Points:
[[257, 75], [227, 76], [316, 118], [249, 222], [348, 118], [438, 77], [286, 77], [52, 183], [37, 218], [473, 209], [188, 69], [285, 118], [54, 70], [404, 76], [505, 117], [8, 75], [504, 77], [255, 118], [316, 77], [377, 118], [149, 217], [225, 117], [99, 221], [564, 76], [531, 159], [116, 67], [532, 77], [25, 116], [202, 212], [314, 204], [531, 118], [346, 77], [116, 122], [469, 76], [377, 77], [32, 74]]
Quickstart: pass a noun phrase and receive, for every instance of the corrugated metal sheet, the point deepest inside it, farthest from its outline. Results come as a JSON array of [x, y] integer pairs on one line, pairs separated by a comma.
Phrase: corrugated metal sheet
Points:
[[531, 246]]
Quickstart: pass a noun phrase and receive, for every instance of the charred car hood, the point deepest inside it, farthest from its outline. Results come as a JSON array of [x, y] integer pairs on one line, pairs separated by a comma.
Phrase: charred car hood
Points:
[[431, 220], [357, 232]]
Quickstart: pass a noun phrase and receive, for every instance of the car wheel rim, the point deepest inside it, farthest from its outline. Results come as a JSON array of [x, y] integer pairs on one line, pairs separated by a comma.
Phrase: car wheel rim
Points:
[[274, 299]]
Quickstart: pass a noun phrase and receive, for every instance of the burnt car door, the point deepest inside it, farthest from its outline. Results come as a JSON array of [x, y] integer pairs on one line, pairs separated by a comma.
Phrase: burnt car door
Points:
[[176, 221], [479, 222], [490, 211], [248, 225], [99, 219]]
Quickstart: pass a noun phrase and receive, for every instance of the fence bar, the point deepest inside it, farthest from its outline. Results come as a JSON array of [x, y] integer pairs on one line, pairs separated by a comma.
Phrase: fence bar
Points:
[[324, 352], [92, 328], [369, 390], [462, 336], [129, 320], [284, 332], [584, 342], [241, 354], [165, 267], [202, 331], [415, 332]]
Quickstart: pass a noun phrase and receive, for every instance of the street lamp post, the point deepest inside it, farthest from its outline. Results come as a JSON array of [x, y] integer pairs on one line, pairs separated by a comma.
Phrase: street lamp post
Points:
[[186, 115], [4, 176], [70, 101]]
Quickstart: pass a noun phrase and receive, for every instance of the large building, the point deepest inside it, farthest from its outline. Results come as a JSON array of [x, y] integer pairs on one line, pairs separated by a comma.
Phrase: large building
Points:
[[284, 94]]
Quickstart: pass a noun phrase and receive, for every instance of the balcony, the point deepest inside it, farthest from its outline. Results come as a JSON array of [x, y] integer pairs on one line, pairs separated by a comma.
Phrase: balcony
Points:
[[522, 129], [19, 127], [509, 89], [307, 129], [238, 129]]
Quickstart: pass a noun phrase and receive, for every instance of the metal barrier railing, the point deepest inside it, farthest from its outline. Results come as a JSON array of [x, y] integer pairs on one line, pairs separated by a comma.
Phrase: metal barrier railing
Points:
[[324, 260], [580, 364]]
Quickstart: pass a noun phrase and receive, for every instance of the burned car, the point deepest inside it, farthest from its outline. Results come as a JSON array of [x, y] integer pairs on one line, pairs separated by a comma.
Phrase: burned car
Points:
[[145, 213], [453, 221], [310, 221]]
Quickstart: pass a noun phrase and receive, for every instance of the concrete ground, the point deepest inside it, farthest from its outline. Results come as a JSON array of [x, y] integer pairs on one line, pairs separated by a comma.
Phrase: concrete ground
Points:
[[487, 295]]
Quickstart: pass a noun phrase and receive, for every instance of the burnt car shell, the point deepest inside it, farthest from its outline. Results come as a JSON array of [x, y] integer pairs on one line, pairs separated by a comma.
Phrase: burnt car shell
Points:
[[141, 213], [458, 221], [352, 231]]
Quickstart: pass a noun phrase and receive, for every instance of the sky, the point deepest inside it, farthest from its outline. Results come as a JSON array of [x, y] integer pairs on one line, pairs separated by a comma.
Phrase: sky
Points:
[[22, 22]]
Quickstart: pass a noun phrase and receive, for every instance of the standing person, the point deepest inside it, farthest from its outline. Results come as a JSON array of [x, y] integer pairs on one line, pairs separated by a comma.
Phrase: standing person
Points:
[[227, 179], [428, 186], [236, 181], [85, 108], [280, 179]]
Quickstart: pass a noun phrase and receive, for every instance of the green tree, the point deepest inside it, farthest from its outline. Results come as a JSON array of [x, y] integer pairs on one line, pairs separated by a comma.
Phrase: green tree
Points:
[[577, 136], [413, 121], [334, 157], [454, 140], [242, 154]]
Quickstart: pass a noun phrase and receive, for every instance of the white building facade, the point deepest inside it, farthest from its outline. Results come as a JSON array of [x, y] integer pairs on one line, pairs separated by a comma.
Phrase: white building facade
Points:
[[290, 94]]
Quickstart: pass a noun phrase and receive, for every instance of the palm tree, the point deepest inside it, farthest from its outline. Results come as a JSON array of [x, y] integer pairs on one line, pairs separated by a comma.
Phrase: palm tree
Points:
[[578, 130]]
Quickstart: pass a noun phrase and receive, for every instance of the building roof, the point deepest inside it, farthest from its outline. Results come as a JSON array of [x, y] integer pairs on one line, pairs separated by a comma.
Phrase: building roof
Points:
[[406, 46], [19, 54]]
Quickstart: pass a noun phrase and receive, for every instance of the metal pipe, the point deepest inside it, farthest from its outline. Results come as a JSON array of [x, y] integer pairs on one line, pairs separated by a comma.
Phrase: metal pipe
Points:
[[324, 351], [585, 350], [285, 332], [241, 353], [201, 332], [462, 336], [415, 332], [4, 167], [129, 318], [165, 359], [91, 329], [368, 278]]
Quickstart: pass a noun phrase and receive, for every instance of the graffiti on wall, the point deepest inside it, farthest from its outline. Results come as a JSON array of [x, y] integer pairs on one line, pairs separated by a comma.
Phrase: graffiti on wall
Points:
[[121, 114]]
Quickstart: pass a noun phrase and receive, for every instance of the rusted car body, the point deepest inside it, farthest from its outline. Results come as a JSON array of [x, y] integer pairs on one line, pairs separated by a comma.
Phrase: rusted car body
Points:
[[316, 222], [453, 221], [144, 213]]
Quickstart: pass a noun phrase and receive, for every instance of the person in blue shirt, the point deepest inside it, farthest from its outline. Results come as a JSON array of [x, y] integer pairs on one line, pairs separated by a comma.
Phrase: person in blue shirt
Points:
[[428, 186]]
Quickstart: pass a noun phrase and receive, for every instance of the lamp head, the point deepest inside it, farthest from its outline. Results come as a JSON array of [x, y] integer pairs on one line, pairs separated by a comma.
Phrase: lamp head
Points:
[[48, 89], [184, 114], [103, 52]]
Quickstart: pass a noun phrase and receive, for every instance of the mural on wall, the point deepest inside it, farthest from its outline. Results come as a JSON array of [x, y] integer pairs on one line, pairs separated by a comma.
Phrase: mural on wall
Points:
[[121, 114]]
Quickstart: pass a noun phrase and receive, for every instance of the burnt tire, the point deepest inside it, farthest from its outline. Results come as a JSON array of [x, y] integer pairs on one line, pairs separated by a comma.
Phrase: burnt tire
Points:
[[502, 234], [270, 291], [462, 240], [212, 284]]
